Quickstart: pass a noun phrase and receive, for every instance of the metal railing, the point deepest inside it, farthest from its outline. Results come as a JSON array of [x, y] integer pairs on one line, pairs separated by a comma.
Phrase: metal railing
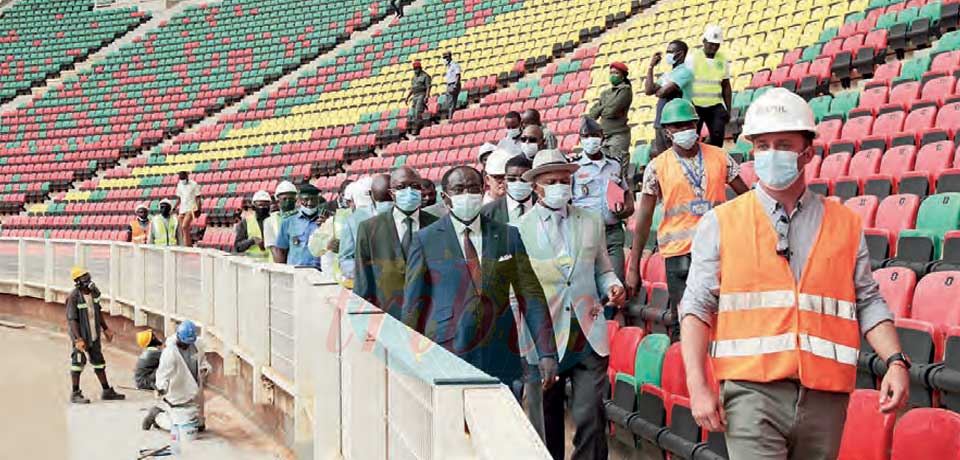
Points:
[[364, 386]]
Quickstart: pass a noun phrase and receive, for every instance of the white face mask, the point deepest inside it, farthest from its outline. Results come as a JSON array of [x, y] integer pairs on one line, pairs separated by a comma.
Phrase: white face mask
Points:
[[685, 139], [590, 145], [513, 133], [556, 196], [519, 190], [466, 206], [382, 206], [777, 169], [529, 150]]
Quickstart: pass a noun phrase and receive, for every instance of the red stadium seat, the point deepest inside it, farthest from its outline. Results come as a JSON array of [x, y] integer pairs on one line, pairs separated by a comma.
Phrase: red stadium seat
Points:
[[926, 433], [868, 433], [655, 271], [905, 93], [831, 168], [897, 285], [864, 164], [937, 299], [938, 89], [895, 213], [885, 73], [889, 123], [623, 351], [919, 120], [748, 174], [949, 117], [931, 161], [856, 129], [895, 162], [874, 97], [829, 130], [866, 207]]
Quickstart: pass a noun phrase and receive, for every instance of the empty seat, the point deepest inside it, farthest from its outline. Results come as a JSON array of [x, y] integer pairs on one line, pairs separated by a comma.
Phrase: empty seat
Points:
[[897, 285], [865, 206], [867, 433], [950, 257], [831, 168], [829, 130], [936, 299], [623, 352], [938, 88], [905, 93], [874, 97], [895, 213], [926, 433], [938, 215], [856, 128], [948, 117], [951, 361], [894, 163], [864, 164]]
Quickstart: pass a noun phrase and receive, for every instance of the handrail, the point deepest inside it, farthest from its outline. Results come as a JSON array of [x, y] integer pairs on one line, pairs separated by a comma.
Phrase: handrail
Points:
[[364, 385]]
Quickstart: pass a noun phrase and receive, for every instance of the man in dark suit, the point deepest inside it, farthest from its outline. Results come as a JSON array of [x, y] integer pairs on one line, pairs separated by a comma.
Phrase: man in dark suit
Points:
[[459, 274], [383, 243], [519, 198]]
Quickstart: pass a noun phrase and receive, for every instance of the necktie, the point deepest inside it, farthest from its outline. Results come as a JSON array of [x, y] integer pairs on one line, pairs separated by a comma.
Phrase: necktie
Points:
[[470, 254], [407, 236], [519, 210]]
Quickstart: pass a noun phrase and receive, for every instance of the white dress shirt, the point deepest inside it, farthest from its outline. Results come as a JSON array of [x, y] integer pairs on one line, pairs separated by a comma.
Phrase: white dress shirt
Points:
[[187, 193], [476, 237], [453, 72], [399, 217], [512, 206]]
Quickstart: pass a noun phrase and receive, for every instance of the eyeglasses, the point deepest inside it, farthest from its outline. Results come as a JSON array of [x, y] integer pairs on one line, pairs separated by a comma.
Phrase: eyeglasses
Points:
[[475, 189], [530, 139], [415, 186]]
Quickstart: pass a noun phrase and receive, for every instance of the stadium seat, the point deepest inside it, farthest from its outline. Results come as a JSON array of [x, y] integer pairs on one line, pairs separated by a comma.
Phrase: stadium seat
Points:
[[831, 168], [894, 163], [931, 160], [895, 213], [951, 361], [897, 285], [866, 207], [868, 433], [864, 164], [926, 433], [623, 352], [938, 215], [937, 299], [922, 341]]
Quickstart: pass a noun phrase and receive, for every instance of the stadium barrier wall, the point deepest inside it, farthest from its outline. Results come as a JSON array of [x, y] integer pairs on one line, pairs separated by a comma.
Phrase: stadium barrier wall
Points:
[[351, 381]]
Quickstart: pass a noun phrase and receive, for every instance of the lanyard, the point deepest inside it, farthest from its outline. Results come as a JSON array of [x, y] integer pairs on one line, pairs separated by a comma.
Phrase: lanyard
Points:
[[696, 180]]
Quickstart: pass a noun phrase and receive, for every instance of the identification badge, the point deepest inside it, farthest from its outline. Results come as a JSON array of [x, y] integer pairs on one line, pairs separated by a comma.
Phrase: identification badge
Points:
[[700, 207], [296, 241], [584, 190]]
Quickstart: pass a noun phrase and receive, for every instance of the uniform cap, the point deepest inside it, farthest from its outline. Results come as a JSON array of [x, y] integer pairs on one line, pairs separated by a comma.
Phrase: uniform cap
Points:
[[549, 160], [778, 110], [77, 271], [307, 188], [497, 162], [713, 34], [417, 65], [620, 66], [261, 195], [144, 338], [678, 111], [285, 187], [589, 126]]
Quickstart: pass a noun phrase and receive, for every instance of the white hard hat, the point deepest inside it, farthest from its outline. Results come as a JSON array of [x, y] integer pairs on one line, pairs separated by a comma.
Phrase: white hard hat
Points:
[[142, 205], [285, 187], [497, 162], [166, 201], [485, 149], [359, 192], [261, 195], [776, 111], [713, 34]]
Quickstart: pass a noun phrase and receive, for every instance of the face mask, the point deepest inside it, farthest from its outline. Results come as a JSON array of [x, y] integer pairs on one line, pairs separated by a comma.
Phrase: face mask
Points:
[[408, 199], [685, 139], [183, 181], [519, 190], [671, 59], [287, 205], [447, 60], [556, 196], [616, 79], [590, 145], [466, 206], [513, 133], [262, 213], [142, 219], [777, 169], [529, 150], [165, 212], [309, 212], [382, 206]]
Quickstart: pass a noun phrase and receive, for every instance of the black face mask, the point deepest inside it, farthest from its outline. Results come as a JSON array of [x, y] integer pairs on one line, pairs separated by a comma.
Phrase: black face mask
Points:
[[262, 213], [165, 212]]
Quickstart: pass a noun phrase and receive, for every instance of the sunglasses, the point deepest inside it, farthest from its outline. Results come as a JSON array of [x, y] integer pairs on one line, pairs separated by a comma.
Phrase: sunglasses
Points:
[[529, 139]]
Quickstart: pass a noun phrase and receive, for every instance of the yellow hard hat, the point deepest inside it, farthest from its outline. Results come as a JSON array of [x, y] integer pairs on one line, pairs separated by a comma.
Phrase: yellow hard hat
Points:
[[144, 338], [77, 271]]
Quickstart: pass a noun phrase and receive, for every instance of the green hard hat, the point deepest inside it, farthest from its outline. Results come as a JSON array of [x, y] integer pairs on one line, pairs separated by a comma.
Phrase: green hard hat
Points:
[[678, 111]]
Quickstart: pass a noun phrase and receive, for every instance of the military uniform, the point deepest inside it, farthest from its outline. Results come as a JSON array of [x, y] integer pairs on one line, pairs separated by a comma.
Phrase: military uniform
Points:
[[590, 184], [419, 85], [612, 109]]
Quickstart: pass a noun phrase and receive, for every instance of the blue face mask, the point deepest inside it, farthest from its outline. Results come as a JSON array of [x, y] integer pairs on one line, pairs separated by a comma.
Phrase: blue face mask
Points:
[[590, 145], [671, 59], [382, 206], [408, 199], [777, 169], [518, 190], [685, 139], [557, 196], [309, 212]]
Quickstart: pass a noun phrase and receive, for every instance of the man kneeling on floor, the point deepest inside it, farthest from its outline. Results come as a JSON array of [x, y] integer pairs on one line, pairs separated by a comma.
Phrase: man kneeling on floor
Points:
[[183, 368]]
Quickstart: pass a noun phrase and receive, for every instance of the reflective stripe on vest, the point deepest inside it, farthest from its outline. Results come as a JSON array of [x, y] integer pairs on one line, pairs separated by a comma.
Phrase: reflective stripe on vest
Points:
[[706, 79], [770, 327], [675, 234], [253, 231], [164, 234], [138, 233]]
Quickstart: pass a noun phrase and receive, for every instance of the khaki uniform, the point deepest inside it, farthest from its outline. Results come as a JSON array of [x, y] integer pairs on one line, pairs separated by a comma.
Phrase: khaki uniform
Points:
[[612, 109], [419, 86]]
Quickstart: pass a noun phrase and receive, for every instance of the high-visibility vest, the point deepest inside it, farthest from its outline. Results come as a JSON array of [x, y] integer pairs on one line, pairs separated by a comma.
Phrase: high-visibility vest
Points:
[[339, 219], [253, 231], [165, 234], [770, 328], [675, 234], [138, 232], [706, 79]]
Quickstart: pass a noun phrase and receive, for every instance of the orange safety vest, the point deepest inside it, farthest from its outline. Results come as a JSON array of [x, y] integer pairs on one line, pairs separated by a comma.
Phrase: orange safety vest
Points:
[[770, 328], [138, 233], [675, 234]]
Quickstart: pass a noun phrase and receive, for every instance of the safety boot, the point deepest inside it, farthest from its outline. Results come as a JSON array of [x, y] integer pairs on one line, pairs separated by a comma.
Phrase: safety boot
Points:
[[110, 395], [77, 398], [151, 419]]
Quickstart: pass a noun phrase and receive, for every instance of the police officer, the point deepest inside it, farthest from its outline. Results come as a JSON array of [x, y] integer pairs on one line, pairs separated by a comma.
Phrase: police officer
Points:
[[86, 325], [590, 185], [286, 195], [612, 109], [295, 230], [420, 92], [453, 83]]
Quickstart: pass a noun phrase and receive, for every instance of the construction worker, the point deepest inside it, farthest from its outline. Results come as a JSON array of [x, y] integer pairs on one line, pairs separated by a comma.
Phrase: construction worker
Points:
[[612, 109], [249, 231], [711, 85], [780, 291], [145, 373], [420, 93], [180, 380], [165, 227], [85, 324], [690, 179], [286, 195], [139, 228], [295, 231]]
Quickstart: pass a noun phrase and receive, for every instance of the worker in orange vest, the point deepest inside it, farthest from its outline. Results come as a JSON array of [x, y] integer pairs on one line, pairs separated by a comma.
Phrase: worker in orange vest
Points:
[[690, 179], [779, 293], [140, 227]]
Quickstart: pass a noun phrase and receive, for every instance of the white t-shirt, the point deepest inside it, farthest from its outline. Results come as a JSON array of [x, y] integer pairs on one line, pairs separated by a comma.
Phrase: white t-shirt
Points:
[[187, 193]]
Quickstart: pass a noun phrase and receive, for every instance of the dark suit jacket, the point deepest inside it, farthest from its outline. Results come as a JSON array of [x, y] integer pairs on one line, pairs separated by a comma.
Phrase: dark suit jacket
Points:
[[478, 325], [380, 267], [496, 210]]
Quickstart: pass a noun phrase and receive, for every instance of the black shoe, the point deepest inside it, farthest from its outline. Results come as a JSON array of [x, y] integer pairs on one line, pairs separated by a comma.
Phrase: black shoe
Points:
[[151, 419], [77, 398], [110, 395]]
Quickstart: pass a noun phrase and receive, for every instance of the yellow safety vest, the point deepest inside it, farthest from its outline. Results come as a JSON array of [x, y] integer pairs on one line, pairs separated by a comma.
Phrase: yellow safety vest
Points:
[[253, 231], [707, 77], [164, 234]]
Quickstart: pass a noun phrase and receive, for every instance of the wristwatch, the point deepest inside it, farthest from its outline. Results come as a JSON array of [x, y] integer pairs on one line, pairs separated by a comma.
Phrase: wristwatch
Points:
[[898, 357]]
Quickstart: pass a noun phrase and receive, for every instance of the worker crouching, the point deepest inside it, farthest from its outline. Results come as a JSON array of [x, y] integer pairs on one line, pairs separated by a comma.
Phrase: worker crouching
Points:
[[180, 380]]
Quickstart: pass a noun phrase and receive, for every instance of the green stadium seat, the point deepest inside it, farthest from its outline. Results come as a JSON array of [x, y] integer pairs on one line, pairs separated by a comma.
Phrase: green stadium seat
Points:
[[649, 362], [938, 215]]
